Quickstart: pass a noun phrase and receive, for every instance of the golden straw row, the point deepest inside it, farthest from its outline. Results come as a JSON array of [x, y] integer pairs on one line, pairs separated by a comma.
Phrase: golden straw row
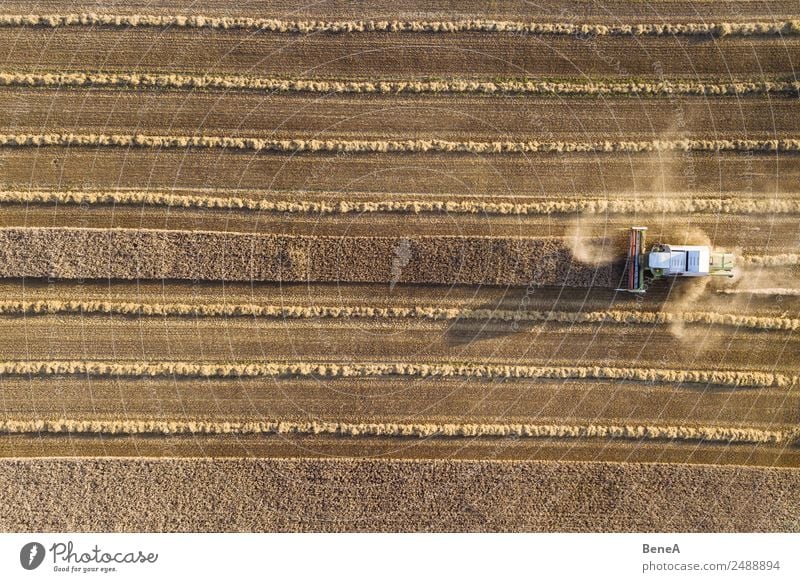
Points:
[[736, 378], [781, 28], [621, 206], [423, 312], [395, 146], [689, 433], [271, 84]]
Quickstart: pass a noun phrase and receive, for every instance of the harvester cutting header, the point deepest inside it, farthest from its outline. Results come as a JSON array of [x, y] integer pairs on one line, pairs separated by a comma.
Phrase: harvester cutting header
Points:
[[665, 260]]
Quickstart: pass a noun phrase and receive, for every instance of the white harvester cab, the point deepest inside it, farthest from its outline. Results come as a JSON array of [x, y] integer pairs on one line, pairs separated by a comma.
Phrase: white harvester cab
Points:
[[683, 261], [665, 260]]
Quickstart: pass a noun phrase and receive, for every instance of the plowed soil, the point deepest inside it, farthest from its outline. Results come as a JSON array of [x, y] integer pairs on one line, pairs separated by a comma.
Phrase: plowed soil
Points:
[[423, 335]]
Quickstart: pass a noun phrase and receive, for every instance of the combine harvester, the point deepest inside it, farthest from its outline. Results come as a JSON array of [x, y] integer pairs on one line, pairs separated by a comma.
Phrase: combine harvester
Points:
[[642, 267]]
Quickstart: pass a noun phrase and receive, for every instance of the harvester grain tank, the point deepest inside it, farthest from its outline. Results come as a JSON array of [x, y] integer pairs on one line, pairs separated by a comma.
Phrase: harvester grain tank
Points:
[[664, 260]]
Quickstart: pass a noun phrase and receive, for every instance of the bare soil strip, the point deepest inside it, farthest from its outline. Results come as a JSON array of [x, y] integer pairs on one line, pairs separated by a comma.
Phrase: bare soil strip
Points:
[[386, 117], [266, 202], [383, 495], [752, 379], [132, 426], [390, 56], [394, 146], [197, 21], [673, 87], [413, 345], [555, 177], [367, 311], [366, 447], [432, 400], [135, 254]]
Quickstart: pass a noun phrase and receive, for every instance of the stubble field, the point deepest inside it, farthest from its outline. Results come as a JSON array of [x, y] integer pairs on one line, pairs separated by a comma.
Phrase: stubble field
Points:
[[364, 272]]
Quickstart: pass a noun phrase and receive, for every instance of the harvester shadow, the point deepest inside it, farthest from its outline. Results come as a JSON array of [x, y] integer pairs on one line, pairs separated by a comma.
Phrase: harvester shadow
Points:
[[466, 332], [510, 314], [514, 301]]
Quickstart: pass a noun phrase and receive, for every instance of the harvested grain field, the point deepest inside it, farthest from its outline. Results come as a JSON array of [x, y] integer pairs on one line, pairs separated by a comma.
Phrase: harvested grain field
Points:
[[348, 270]]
